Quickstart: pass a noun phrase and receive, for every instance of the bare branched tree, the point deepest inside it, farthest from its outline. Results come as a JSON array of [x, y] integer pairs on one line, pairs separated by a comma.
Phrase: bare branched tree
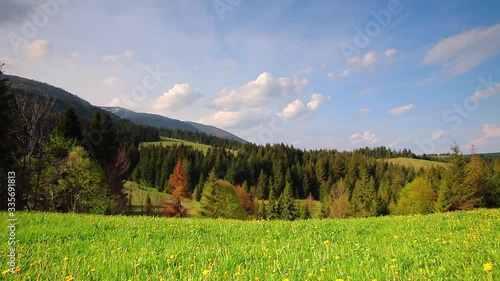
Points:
[[36, 117]]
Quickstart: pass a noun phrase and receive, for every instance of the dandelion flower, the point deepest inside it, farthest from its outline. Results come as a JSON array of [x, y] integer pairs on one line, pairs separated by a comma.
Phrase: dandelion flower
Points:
[[5, 272], [68, 278], [488, 267], [206, 272], [326, 242]]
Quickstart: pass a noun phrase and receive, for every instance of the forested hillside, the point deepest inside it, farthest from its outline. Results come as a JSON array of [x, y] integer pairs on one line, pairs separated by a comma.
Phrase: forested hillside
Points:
[[70, 156]]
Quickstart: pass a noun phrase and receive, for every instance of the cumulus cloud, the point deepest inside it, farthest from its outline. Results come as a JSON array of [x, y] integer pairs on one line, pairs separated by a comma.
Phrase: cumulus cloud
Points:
[[297, 109], [316, 101], [462, 52], [180, 96], [366, 137], [490, 132], [241, 119], [258, 92], [294, 109], [484, 93], [118, 57], [389, 54], [37, 49], [368, 61], [402, 109]]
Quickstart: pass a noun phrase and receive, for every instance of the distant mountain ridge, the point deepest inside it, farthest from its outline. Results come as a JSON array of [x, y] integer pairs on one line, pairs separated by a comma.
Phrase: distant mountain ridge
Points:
[[63, 99], [160, 121]]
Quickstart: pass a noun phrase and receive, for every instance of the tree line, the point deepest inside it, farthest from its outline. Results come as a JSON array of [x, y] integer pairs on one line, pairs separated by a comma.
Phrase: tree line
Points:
[[347, 184], [68, 162]]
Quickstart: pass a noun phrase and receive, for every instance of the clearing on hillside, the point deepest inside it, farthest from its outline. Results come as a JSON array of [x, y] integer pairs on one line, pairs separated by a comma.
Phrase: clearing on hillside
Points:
[[416, 163], [170, 141]]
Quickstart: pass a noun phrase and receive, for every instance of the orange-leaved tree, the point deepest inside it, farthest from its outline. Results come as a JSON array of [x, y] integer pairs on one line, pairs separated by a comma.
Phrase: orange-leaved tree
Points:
[[177, 186]]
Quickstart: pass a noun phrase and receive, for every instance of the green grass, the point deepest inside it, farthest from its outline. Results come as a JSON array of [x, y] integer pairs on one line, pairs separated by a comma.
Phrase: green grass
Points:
[[451, 246], [416, 163], [170, 141], [139, 194]]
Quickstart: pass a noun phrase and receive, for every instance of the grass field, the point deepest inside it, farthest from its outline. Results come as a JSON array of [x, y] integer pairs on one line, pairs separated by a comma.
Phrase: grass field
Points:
[[169, 142], [140, 193], [451, 246], [417, 163]]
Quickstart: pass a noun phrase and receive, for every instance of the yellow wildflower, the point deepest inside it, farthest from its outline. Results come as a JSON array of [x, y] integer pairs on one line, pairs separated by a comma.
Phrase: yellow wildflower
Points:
[[326, 242], [488, 267], [206, 272]]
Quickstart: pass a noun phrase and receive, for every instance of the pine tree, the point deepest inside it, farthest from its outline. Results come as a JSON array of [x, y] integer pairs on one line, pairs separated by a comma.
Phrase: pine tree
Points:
[[69, 126], [287, 203], [475, 190]]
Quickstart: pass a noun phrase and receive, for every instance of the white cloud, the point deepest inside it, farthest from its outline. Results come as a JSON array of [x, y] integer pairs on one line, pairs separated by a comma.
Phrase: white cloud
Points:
[[258, 92], [368, 61], [111, 81], [364, 110], [117, 58], [297, 109], [242, 119], [366, 137], [402, 109], [462, 52], [294, 109], [490, 132], [180, 96], [37, 49], [121, 102], [389, 54], [484, 93], [346, 72], [316, 101]]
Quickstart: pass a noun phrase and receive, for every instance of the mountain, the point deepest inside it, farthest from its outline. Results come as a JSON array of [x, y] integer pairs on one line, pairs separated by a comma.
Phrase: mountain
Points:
[[159, 121], [63, 99], [214, 131], [153, 120]]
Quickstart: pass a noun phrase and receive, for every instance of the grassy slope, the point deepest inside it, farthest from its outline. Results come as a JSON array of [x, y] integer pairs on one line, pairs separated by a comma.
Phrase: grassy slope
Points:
[[170, 141], [417, 163], [140, 193], [451, 246]]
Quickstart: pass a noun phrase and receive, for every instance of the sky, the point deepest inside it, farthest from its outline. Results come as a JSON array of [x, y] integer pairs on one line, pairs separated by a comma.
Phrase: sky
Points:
[[318, 74]]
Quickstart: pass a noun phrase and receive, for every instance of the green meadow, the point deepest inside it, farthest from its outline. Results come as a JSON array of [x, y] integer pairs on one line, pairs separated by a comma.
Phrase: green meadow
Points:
[[448, 246], [416, 163], [170, 142]]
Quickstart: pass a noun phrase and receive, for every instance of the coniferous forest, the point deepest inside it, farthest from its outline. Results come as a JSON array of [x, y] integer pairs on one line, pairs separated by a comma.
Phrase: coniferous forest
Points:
[[72, 160]]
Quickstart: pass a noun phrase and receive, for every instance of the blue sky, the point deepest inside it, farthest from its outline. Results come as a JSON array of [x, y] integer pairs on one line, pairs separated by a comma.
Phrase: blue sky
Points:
[[315, 74]]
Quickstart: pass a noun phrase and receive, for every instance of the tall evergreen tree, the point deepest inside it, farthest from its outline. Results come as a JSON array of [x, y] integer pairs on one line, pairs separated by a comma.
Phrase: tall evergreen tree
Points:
[[69, 126]]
